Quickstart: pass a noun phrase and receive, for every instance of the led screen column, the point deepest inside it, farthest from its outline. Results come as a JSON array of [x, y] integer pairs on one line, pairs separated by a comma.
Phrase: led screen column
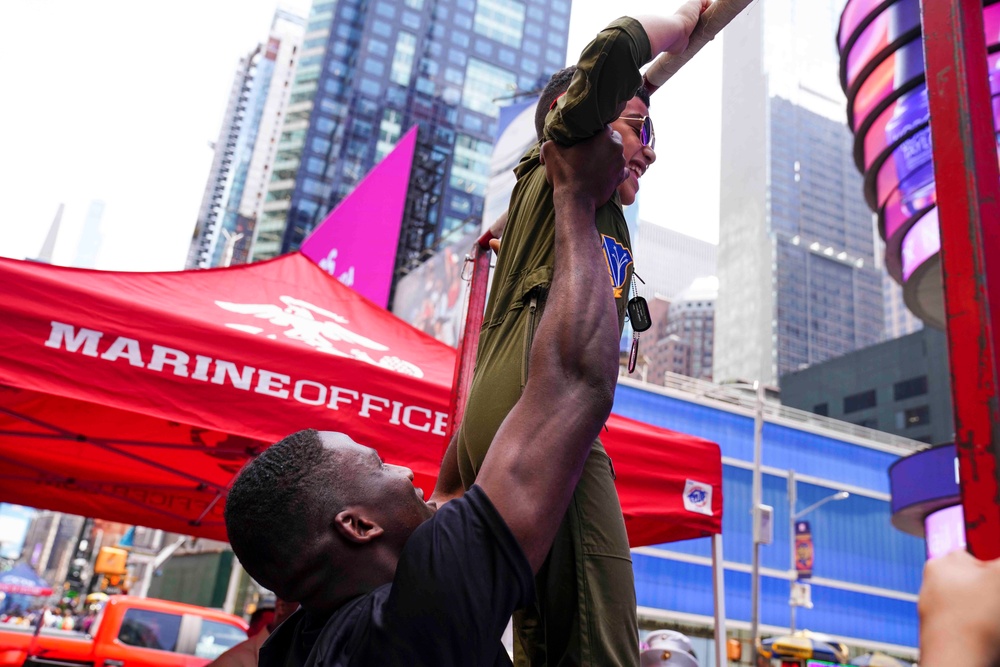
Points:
[[882, 73]]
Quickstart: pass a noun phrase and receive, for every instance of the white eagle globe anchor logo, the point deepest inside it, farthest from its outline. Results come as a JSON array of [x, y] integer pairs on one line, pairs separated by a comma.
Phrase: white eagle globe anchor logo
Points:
[[320, 329]]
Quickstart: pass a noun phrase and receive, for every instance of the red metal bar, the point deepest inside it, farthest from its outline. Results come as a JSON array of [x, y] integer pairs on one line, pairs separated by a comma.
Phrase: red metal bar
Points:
[[968, 193], [465, 362]]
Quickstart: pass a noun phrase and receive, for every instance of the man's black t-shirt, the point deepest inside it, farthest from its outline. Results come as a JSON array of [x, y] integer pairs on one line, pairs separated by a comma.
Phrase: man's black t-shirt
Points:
[[459, 578]]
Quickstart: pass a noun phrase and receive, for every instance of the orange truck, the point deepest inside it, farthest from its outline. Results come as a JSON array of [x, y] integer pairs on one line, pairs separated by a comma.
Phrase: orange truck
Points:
[[128, 632]]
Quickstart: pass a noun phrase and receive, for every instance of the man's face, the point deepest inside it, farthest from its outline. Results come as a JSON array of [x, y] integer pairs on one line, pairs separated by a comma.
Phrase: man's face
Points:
[[386, 490], [637, 157]]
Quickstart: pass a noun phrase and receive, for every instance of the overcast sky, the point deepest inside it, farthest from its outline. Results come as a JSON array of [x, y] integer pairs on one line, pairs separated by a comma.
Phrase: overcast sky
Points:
[[118, 100]]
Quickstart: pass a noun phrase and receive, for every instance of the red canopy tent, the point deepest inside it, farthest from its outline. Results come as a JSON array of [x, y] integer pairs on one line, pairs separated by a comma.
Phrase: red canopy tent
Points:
[[138, 396]]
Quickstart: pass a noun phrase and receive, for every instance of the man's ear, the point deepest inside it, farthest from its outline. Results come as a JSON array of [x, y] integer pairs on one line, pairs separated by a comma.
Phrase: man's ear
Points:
[[354, 525]]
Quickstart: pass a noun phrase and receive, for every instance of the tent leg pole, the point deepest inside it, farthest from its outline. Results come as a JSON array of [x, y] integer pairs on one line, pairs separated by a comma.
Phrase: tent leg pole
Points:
[[719, 593]]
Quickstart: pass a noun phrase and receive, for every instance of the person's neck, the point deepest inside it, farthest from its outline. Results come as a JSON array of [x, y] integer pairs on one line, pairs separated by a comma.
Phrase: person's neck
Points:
[[362, 578]]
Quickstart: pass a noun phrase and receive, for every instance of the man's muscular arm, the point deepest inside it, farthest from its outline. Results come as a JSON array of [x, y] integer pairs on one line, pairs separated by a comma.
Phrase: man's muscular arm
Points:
[[538, 454]]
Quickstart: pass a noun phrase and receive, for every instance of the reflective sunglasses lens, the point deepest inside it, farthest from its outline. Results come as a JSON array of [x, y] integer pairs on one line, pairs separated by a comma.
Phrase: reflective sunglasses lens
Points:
[[648, 138]]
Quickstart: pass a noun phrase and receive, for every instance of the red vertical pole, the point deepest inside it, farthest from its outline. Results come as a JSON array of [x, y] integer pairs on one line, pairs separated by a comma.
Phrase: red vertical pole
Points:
[[968, 193], [467, 346]]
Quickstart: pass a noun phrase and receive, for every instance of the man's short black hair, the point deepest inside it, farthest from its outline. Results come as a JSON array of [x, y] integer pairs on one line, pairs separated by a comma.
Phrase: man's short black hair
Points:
[[268, 507], [559, 84]]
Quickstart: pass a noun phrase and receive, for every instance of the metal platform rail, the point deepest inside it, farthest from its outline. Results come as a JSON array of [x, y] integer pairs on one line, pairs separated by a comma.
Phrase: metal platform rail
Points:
[[733, 396]]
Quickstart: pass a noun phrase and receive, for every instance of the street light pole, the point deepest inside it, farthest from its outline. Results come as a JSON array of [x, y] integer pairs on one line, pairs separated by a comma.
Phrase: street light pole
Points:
[[758, 432], [794, 516], [792, 497], [839, 495]]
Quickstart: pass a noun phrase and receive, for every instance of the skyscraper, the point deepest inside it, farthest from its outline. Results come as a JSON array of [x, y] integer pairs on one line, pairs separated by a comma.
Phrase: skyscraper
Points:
[[691, 319], [668, 261], [49, 246], [245, 148], [369, 71], [89, 245], [798, 280], [899, 321]]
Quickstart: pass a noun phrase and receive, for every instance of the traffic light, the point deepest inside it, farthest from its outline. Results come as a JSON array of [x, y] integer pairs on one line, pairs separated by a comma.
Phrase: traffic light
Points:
[[111, 560], [111, 581], [76, 571]]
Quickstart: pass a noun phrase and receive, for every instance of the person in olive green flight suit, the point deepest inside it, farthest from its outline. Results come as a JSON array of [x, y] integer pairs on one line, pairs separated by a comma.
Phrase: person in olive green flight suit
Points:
[[585, 611]]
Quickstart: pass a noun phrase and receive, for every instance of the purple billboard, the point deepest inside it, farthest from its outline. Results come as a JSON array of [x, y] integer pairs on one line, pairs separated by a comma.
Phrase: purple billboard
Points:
[[882, 73], [357, 242]]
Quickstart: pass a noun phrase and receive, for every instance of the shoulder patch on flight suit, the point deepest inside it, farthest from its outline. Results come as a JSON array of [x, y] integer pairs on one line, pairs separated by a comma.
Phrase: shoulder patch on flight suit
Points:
[[619, 259]]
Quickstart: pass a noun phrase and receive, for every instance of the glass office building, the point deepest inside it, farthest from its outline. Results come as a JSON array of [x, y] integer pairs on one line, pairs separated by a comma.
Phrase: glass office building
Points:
[[370, 70], [245, 148], [866, 575], [798, 279]]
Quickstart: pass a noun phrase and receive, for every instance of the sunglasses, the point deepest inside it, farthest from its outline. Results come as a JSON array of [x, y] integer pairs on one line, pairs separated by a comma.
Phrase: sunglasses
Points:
[[645, 126]]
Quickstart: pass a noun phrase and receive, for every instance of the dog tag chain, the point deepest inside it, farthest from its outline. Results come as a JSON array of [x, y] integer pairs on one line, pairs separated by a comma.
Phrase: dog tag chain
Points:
[[638, 316]]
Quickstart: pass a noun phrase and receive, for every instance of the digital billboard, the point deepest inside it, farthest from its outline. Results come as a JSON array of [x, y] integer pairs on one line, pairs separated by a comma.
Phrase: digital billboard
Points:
[[882, 74], [357, 242], [945, 531], [432, 297]]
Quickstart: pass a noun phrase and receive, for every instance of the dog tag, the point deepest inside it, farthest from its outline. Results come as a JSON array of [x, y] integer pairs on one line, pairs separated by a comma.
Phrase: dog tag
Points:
[[638, 314]]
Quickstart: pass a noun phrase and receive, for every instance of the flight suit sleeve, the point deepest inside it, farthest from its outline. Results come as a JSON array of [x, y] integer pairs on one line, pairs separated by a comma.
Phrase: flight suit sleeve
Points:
[[607, 76]]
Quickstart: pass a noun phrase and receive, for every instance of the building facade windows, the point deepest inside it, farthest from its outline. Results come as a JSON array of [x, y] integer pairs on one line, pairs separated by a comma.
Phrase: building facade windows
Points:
[[402, 59], [389, 131], [411, 20], [909, 388], [325, 125], [320, 145], [501, 20], [461, 205], [377, 47], [484, 83], [370, 88], [374, 67], [313, 187], [315, 165], [471, 166], [315, 42], [860, 401], [913, 417]]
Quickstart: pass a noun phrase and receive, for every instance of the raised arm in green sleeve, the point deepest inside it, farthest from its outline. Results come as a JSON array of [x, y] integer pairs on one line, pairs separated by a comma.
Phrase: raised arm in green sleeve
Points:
[[607, 77]]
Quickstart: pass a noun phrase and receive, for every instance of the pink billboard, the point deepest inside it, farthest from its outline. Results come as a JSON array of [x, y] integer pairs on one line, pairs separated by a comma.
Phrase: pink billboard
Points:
[[357, 242]]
